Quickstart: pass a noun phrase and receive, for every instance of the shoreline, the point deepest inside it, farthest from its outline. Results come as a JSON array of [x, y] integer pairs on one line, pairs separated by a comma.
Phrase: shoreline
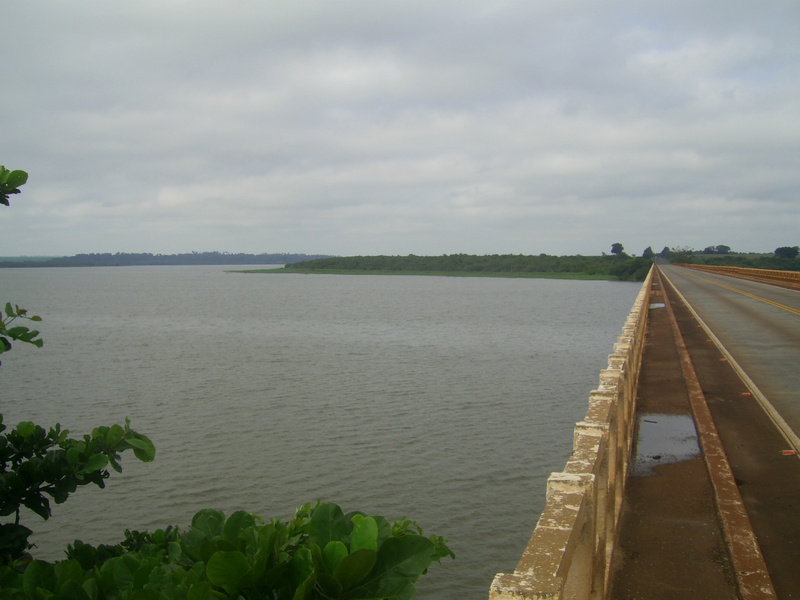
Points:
[[503, 274]]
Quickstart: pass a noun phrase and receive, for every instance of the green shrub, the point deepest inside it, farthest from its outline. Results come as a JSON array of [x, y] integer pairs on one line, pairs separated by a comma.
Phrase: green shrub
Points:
[[320, 554]]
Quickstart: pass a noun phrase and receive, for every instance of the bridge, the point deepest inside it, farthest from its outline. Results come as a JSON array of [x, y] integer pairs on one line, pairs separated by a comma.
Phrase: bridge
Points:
[[684, 481]]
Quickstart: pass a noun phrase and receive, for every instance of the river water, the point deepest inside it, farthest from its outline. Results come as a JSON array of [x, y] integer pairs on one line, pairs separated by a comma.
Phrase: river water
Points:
[[448, 400]]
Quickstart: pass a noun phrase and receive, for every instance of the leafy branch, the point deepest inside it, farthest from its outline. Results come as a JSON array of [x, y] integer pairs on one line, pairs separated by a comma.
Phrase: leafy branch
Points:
[[10, 182], [18, 332], [37, 465]]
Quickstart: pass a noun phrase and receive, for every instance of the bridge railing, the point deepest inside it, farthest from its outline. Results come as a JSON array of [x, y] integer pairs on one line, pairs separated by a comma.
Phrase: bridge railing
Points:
[[569, 552], [748, 273]]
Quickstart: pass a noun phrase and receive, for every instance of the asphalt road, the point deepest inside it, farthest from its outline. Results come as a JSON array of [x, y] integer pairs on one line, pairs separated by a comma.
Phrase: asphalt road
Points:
[[759, 326]]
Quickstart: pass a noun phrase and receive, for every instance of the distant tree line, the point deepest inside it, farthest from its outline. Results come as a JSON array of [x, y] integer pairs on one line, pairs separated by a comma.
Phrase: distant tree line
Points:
[[742, 260], [784, 258], [122, 259], [787, 251], [620, 266]]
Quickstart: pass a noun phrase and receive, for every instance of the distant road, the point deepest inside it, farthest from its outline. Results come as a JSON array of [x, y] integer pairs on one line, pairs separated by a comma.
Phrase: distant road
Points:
[[758, 324]]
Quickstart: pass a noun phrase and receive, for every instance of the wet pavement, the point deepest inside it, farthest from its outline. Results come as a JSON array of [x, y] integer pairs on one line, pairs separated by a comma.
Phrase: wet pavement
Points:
[[662, 439], [712, 502], [763, 463]]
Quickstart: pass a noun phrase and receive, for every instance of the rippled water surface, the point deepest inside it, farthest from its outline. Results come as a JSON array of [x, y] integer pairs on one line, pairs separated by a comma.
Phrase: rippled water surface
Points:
[[445, 400]]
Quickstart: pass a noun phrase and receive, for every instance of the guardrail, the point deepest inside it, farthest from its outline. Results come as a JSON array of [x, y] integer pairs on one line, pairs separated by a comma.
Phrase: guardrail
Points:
[[792, 277], [569, 552]]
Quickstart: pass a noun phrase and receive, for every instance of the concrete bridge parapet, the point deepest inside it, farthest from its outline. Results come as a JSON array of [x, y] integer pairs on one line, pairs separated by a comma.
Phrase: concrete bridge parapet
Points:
[[570, 550]]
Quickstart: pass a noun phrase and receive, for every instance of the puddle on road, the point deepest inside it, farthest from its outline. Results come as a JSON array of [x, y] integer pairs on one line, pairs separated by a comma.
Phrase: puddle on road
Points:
[[663, 439], [658, 305]]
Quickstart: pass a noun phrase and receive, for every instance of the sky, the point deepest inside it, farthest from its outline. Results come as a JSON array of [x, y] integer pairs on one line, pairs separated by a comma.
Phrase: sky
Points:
[[362, 127]]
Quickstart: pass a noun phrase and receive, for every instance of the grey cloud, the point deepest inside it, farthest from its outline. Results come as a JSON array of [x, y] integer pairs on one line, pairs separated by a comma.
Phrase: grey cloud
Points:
[[364, 127]]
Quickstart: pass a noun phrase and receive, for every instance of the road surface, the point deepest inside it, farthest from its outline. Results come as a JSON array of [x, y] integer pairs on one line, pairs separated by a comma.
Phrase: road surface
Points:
[[759, 326]]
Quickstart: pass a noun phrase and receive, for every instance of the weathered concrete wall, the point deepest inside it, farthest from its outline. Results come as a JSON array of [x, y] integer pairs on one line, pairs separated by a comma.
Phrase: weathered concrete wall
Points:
[[569, 552]]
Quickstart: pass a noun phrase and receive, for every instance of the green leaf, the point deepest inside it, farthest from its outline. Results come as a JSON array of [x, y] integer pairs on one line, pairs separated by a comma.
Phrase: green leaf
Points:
[[38, 575], [236, 524], [384, 529], [305, 591], [200, 591], [39, 504], [13, 539], [16, 178], [9, 578], [68, 570], [25, 429], [328, 524], [330, 586], [114, 436], [17, 332], [143, 448], [365, 533], [174, 551], [228, 570], [400, 562], [355, 567], [72, 590], [146, 594], [441, 548], [332, 555], [123, 570], [301, 566], [90, 587], [270, 540], [209, 522], [95, 463]]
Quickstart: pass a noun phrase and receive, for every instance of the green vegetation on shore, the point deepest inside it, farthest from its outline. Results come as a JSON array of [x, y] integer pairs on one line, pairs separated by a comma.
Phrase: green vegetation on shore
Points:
[[504, 274], [127, 259], [751, 261], [784, 258], [622, 267]]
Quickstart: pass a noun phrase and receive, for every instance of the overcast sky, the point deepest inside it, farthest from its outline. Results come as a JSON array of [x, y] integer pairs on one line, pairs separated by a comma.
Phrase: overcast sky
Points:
[[400, 127]]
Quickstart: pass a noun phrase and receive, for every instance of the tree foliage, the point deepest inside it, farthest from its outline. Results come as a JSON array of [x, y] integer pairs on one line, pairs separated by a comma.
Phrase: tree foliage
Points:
[[10, 182], [501, 264], [17, 332], [125, 259], [719, 249], [783, 259], [37, 465], [320, 554], [787, 251], [752, 261]]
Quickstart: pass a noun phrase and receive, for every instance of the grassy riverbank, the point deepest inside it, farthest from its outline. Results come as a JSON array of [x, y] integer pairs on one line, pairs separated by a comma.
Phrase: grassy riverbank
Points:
[[621, 267]]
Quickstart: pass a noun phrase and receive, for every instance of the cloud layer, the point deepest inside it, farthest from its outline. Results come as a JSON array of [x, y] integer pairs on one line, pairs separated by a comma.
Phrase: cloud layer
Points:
[[362, 127]]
